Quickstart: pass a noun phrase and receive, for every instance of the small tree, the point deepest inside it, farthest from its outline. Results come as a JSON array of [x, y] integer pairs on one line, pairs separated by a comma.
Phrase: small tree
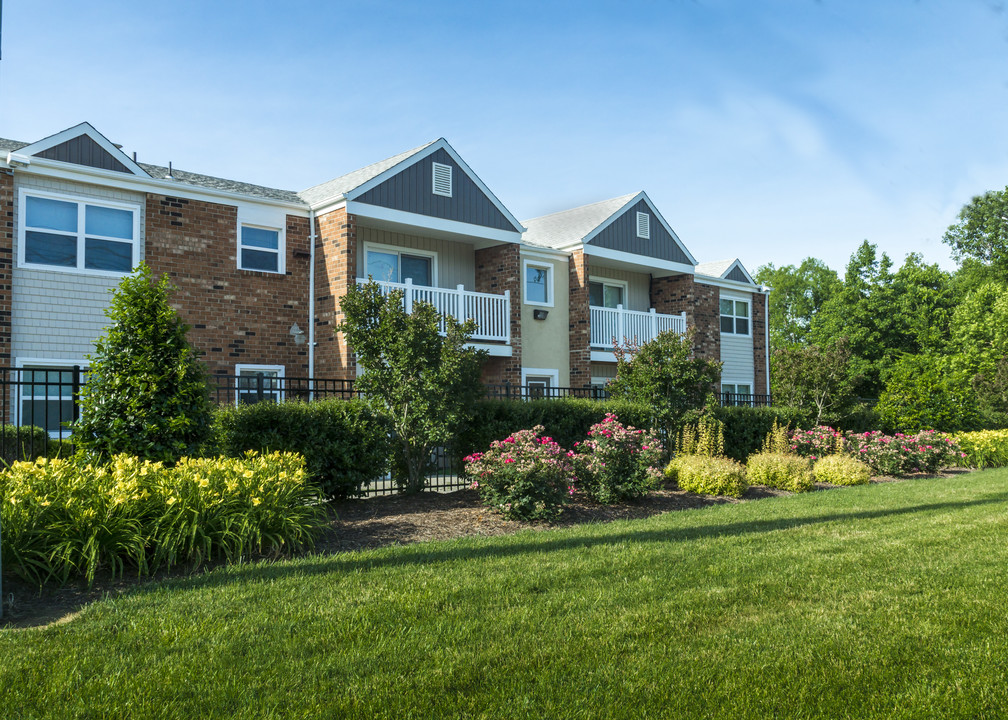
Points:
[[926, 392], [665, 375], [813, 377], [147, 391], [425, 382]]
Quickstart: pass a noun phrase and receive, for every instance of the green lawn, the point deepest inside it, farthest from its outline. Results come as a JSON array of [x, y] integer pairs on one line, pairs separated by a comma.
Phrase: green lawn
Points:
[[882, 601]]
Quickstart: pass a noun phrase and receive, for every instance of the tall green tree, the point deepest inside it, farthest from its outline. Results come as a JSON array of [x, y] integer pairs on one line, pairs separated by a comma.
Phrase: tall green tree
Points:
[[798, 295], [926, 297], [147, 392], [813, 377], [424, 382], [981, 231]]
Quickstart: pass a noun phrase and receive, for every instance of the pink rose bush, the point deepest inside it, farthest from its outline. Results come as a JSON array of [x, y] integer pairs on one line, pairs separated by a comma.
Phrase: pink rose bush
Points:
[[525, 476], [898, 454], [617, 462]]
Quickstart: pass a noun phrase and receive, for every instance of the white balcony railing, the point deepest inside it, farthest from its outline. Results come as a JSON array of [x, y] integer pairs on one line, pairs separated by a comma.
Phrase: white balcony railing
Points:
[[492, 313], [616, 323]]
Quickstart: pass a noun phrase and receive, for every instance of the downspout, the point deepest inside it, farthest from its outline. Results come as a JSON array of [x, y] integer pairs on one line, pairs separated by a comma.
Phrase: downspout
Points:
[[766, 331], [311, 305]]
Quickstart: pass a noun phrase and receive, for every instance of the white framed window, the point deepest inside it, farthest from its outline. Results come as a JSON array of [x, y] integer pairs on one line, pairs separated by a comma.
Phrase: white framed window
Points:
[[388, 263], [258, 383], [734, 315], [260, 248], [603, 292], [442, 179], [75, 234], [45, 394], [643, 226], [538, 283], [540, 382], [737, 388]]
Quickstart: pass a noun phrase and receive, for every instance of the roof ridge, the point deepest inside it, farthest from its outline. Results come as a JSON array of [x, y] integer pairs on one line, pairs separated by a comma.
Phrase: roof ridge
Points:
[[585, 206]]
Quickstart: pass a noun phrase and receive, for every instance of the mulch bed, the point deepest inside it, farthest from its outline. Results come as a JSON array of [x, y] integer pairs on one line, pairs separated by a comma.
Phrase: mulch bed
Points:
[[382, 521]]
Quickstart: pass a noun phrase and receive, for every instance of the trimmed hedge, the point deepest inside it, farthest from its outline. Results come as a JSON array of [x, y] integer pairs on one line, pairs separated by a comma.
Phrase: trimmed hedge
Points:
[[841, 470], [566, 420], [779, 470], [22, 442], [345, 444], [707, 476]]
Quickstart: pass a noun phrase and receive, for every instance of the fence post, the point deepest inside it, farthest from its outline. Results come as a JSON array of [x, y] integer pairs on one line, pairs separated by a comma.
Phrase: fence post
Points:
[[507, 317], [654, 324], [620, 324], [408, 296], [461, 311]]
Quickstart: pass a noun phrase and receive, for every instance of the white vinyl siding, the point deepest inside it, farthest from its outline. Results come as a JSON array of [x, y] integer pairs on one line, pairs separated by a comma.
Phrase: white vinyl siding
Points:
[[737, 357]]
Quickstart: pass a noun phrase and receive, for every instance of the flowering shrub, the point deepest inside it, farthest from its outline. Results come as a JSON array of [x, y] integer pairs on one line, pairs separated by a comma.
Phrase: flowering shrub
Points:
[[900, 454], [818, 442], [525, 476], [707, 475], [984, 449], [64, 518], [841, 470], [617, 462], [779, 470]]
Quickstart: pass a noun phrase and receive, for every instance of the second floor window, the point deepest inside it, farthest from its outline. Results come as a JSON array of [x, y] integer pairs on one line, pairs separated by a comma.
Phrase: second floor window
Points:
[[734, 316], [259, 249], [393, 266], [538, 287], [603, 294], [62, 232]]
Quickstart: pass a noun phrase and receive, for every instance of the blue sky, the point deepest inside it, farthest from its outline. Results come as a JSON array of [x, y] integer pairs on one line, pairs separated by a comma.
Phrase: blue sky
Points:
[[769, 131]]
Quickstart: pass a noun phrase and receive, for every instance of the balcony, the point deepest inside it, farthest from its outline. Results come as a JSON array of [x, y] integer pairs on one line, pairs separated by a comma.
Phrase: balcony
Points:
[[492, 313], [610, 323]]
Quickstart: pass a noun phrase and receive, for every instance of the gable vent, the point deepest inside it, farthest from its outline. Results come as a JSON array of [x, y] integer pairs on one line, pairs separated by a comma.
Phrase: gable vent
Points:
[[442, 179], [643, 225]]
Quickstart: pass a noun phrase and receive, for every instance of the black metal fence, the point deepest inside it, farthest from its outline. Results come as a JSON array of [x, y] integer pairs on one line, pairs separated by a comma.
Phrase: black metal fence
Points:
[[47, 398]]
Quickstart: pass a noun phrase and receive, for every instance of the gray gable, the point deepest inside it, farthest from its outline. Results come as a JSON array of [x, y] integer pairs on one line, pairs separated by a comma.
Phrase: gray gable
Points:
[[83, 150], [621, 234], [737, 274], [411, 190]]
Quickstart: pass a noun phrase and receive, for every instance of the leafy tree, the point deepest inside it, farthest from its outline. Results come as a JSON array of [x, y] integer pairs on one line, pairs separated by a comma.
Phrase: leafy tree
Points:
[[665, 375], [925, 297], [814, 377], [147, 391], [981, 232], [424, 382], [798, 295], [926, 392], [980, 343]]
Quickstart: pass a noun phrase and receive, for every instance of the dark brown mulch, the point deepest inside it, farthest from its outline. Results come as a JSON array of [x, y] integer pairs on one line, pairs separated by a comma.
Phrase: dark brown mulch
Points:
[[381, 521]]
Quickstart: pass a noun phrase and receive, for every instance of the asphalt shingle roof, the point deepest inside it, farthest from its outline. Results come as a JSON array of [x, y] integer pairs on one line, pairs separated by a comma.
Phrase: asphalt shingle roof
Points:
[[10, 145], [715, 268], [208, 181], [567, 227], [345, 183]]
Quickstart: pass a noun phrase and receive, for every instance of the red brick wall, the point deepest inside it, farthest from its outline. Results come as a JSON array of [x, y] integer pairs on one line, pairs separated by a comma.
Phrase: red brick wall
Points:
[[335, 273], [677, 293], [579, 330], [498, 268], [237, 316], [6, 262], [759, 343]]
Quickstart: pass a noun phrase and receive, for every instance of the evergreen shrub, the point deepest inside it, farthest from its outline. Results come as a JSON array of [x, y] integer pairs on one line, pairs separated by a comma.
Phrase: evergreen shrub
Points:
[[707, 475]]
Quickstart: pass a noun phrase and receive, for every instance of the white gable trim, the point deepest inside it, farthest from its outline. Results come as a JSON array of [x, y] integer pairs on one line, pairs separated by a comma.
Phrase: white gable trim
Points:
[[738, 264], [731, 284], [440, 144], [454, 227], [85, 128], [639, 263], [633, 201]]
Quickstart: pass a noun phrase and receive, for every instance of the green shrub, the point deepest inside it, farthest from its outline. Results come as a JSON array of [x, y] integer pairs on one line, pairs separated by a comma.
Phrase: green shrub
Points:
[[344, 442], [984, 449], [707, 476], [925, 392], [745, 428], [71, 518], [525, 476], [617, 462], [566, 420], [22, 442], [146, 393], [841, 470], [779, 470]]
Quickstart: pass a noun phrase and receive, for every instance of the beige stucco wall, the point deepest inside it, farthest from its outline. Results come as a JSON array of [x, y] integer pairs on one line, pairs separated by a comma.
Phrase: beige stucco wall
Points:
[[545, 342]]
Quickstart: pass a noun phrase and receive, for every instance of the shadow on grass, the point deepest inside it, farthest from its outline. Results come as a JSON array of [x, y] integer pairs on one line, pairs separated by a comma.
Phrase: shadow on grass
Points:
[[524, 543], [535, 543]]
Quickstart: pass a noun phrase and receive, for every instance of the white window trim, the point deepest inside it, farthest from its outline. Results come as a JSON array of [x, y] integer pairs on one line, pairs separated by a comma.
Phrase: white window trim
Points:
[[552, 373], [550, 281], [55, 364], [736, 298], [81, 201], [398, 250], [281, 247], [434, 182], [279, 369], [612, 281], [646, 217], [735, 383]]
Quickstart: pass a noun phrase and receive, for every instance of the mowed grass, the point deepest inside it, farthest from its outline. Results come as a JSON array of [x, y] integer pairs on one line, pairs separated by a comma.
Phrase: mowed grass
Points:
[[881, 601]]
